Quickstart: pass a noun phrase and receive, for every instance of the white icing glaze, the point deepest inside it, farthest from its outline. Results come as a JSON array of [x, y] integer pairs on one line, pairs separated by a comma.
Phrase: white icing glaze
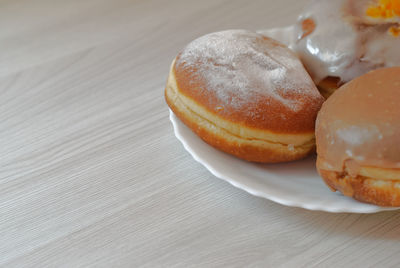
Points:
[[360, 122], [240, 65], [341, 44]]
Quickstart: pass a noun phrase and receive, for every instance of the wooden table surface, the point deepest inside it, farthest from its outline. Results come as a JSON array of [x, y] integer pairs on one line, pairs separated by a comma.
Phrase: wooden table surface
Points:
[[91, 173]]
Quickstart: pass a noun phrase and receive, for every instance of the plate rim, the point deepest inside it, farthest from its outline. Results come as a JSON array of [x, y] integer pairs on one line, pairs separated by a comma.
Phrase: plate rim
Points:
[[317, 207]]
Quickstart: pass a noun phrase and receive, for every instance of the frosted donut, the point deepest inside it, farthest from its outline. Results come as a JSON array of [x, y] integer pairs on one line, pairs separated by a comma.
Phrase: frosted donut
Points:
[[340, 40], [358, 138], [245, 94]]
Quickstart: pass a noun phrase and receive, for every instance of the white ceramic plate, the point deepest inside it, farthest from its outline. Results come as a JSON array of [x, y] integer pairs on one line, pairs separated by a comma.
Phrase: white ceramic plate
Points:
[[295, 184]]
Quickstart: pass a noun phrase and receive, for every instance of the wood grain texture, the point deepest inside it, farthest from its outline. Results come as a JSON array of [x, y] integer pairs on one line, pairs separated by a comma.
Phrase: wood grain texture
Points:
[[91, 173]]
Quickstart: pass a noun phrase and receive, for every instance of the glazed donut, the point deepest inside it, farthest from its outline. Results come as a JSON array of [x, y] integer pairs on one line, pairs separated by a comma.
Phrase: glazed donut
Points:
[[245, 94], [358, 138], [340, 40]]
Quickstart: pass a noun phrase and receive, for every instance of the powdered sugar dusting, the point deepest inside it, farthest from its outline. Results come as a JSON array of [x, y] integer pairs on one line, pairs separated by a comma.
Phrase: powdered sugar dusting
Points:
[[241, 65]]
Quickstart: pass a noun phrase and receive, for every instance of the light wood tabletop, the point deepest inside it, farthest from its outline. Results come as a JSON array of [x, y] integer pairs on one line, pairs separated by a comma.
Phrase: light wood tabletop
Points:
[[91, 173]]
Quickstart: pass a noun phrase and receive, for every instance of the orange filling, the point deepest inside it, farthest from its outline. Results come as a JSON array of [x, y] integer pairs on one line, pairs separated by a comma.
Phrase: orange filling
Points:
[[308, 26], [395, 31], [385, 9]]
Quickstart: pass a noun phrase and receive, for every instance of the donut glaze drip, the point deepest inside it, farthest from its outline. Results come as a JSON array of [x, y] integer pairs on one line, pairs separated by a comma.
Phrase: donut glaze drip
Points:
[[347, 41], [360, 124], [243, 73]]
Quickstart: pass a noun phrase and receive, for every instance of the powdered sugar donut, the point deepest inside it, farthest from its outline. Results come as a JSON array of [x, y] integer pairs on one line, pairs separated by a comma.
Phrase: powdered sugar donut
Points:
[[245, 94]]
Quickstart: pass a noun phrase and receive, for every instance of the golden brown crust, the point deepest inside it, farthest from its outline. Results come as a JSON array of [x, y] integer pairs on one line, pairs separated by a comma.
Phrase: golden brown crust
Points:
[[245, 94], [365, 189], [250, 149], [294, 121], [329, 85]]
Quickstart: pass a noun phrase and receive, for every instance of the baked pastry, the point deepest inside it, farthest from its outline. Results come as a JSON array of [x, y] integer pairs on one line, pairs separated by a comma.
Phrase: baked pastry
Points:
[[358, 138], [245, 94], [339, 40]]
